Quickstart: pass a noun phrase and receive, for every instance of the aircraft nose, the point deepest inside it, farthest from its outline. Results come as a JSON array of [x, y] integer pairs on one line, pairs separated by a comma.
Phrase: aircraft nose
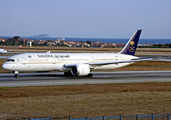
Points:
[[5, 66]]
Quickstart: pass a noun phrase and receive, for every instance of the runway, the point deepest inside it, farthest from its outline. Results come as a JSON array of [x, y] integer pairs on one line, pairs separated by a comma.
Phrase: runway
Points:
[[57, 78]]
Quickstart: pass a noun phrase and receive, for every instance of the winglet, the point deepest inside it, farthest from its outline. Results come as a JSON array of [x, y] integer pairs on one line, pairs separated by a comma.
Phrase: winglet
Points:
[[131, 46]]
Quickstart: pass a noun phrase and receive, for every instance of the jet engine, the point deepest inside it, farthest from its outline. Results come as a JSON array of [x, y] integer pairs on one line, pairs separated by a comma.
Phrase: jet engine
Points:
[[80, 70]]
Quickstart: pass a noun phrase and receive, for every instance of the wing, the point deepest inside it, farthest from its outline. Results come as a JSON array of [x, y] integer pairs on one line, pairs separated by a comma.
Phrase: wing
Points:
[[93, 65]]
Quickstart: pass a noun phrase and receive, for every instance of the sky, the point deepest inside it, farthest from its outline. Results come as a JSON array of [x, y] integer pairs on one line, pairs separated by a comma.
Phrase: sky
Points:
[[86, 18]]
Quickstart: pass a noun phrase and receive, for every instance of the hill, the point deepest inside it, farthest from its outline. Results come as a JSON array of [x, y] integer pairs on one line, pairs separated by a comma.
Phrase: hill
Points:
[[41, 35]]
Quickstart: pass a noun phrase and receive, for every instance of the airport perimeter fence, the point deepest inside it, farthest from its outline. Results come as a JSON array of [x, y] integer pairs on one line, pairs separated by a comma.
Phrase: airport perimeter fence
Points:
[[132, 117]]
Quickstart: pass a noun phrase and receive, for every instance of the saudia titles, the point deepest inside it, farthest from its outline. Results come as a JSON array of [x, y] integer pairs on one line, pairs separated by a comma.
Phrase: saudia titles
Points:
[[53, 56], [131, 46]]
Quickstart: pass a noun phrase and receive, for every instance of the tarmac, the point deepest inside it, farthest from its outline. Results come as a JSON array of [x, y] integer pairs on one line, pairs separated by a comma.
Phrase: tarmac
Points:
[[57, 78]]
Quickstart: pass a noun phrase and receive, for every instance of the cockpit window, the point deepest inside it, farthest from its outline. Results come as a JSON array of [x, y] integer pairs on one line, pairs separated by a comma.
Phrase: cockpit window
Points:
[[12, 60]]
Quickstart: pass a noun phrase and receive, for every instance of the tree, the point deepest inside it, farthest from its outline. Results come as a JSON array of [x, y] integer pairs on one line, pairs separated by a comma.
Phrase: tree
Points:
[[17, 38], [45, 44]]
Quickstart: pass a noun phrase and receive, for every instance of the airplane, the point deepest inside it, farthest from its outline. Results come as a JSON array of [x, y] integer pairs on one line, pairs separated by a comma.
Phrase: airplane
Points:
[[74, 64], [3, 51]]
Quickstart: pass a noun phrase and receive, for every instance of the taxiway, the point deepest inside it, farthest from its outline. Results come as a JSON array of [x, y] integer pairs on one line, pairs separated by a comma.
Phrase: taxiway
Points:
[[57, 78]]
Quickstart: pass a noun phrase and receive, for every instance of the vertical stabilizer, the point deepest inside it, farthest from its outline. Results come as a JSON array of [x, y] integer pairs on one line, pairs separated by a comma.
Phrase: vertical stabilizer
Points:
[[131, 46]]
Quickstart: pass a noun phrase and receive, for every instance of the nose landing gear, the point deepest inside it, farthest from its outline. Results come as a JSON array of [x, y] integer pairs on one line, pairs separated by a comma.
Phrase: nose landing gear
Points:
[[16, 74]]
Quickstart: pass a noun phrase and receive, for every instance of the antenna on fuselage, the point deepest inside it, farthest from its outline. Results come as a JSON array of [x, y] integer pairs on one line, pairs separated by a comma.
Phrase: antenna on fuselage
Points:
[[48, 52]]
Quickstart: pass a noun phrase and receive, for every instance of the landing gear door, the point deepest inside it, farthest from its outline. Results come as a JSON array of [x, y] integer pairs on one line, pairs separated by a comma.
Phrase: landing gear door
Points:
[[23, 60]]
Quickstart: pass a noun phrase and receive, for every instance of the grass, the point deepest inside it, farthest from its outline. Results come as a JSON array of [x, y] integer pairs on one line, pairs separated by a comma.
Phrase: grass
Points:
[[85, 100], [89, 50], [147, 66]]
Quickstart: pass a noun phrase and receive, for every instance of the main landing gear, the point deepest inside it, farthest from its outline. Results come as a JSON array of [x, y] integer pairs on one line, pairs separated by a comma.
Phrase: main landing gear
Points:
[[70, 74], [90, 75], [16, 74]]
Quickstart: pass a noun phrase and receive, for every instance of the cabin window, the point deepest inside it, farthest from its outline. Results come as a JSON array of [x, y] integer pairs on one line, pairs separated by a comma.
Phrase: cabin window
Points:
[[46, 60]]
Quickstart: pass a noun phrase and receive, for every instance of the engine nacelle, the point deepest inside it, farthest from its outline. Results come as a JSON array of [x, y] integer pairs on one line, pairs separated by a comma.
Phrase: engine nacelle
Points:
[[80, 70]]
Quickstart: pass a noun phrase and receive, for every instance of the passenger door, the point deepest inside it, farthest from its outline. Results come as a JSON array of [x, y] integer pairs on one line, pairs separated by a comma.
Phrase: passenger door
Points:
[[23, 61]]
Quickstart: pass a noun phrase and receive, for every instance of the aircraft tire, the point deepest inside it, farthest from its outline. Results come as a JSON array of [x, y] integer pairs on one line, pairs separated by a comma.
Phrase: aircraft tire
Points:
[[90, 75], [16, 76], [68, 73]]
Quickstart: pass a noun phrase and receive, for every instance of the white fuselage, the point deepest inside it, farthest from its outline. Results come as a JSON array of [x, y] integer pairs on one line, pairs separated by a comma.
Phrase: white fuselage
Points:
[[57, 61]]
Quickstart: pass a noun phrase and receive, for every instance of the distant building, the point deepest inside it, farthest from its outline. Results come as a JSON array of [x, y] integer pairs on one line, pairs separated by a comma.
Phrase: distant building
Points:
[[29, 43]]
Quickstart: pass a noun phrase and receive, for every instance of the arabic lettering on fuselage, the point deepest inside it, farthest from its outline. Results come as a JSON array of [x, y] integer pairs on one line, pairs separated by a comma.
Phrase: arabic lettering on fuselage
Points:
[[53, 56]]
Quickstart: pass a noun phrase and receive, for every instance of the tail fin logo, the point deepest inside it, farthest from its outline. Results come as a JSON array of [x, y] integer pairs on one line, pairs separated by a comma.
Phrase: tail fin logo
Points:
[[131, 47]]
